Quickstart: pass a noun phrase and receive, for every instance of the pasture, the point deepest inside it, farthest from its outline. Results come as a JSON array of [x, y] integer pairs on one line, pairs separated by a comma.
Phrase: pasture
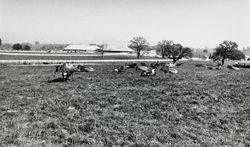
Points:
[[196, 107]]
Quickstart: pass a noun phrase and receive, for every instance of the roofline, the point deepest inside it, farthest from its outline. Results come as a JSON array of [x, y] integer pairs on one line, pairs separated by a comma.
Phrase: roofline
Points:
[[115, 51]]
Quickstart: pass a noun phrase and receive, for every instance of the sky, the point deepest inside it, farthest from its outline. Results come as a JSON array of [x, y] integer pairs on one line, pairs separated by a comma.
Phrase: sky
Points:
[[193, 23]]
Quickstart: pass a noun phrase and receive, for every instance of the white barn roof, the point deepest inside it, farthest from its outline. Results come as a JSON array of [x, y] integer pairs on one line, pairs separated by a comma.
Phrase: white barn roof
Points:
[[82, 47], [118, 49]]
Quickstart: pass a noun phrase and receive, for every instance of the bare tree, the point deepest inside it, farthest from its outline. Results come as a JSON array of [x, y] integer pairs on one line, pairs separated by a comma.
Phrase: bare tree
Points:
[[138, 44], [223, 51], [164, 46], [177, 52]]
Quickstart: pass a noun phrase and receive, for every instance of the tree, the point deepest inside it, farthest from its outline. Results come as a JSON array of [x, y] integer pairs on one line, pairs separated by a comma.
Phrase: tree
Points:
[[164, 45], [205, 51], [177, 52], [138, 44], [223, 51], [17, 46], [37, 43], [26, 47], [236, 55]]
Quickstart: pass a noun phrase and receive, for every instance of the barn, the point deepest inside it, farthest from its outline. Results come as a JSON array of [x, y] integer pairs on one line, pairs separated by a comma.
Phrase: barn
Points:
[[149, 53], [82, 48], [117, 49]]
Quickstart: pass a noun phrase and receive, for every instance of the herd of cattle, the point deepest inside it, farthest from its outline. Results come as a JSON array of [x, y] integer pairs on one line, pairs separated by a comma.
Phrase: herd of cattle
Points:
[[236, 66], [67, 70]]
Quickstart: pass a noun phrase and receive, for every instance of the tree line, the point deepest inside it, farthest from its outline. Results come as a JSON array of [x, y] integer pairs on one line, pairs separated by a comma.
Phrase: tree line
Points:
[[28, 46], [167, 48], [175, 51]]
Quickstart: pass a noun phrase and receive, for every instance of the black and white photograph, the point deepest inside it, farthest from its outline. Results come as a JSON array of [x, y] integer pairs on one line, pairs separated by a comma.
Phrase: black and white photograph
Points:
[[125, 73]]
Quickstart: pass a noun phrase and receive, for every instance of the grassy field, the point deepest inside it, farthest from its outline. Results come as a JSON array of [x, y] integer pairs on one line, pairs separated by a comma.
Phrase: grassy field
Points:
[[196, 107]]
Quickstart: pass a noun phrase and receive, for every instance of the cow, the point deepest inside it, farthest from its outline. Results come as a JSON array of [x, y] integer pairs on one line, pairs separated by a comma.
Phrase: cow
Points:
[[132, 65], [167, 69], [67, 70], [232, 67], [155, 64], [242, 64], [85, 69], [143, 64], [150, 72], [121, 68]]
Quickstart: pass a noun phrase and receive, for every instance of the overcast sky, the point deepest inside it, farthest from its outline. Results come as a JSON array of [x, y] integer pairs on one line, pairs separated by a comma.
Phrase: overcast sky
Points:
[[193, 23]]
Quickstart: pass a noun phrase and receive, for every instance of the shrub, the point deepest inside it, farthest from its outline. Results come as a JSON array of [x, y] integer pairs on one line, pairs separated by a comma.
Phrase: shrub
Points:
[[17, 46], [26, 48]]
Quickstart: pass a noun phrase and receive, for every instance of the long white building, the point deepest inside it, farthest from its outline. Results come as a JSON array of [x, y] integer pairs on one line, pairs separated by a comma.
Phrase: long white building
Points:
[[82, 48]]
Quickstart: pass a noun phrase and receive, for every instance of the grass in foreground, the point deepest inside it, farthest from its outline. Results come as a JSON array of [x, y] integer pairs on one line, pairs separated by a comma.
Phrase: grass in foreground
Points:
[[197, 106]]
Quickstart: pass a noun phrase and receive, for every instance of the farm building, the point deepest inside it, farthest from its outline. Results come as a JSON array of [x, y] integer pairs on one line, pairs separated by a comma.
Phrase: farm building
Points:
[[246, 51], [149, 53], [82, 48], [117, 49]]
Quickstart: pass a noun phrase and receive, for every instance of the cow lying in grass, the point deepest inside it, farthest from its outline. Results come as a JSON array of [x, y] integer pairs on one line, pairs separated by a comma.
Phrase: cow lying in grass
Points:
[[147, 71], [85, 69], [214, 67], [242, 64], [167, 69], [150, 72], [232, 67], [67, 70], [121, 69]]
